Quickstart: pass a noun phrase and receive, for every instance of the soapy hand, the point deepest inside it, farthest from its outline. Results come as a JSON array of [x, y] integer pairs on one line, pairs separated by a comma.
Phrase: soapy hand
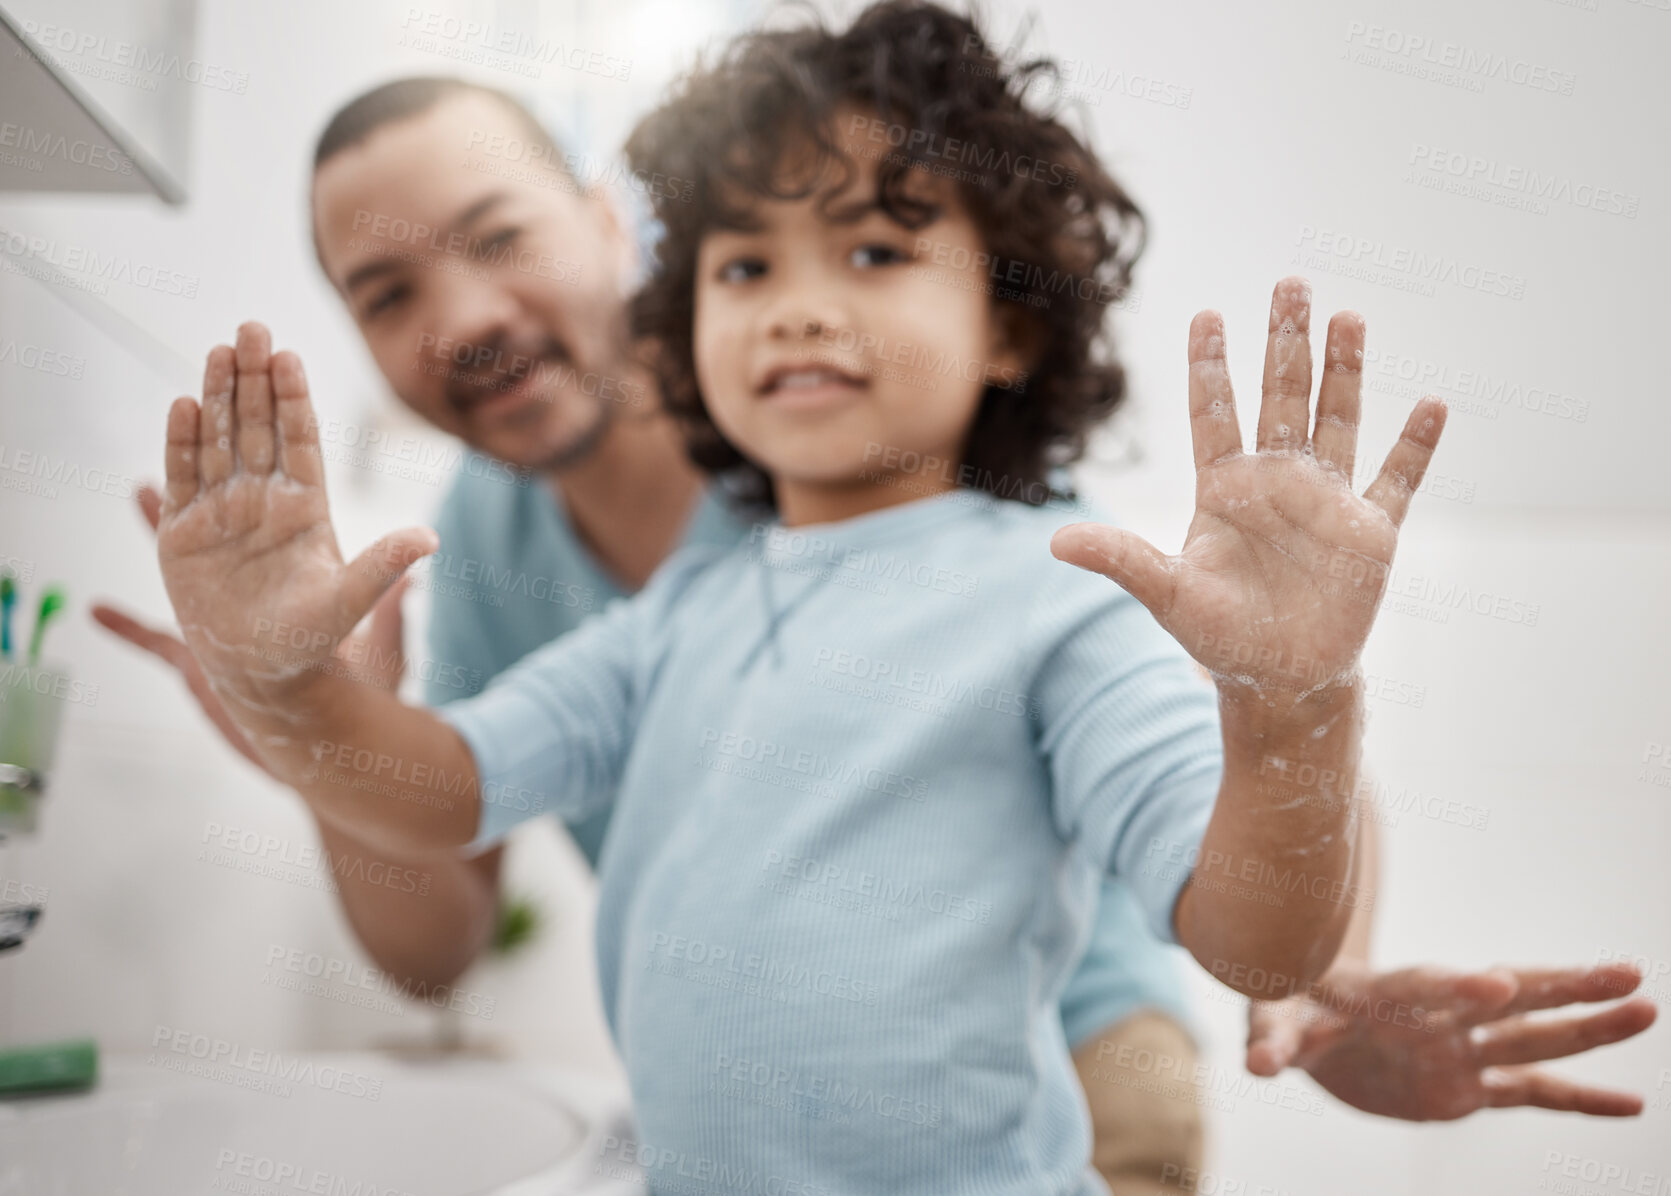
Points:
[[244, 537], [1284, 565], [373, 655]]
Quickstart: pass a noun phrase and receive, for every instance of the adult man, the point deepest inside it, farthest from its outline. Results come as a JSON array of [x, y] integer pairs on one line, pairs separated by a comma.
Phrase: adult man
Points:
[[490, 285]]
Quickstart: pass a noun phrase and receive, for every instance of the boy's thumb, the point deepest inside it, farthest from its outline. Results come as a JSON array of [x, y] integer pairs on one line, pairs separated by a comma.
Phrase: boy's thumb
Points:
[[1123, 557], [377, 568]]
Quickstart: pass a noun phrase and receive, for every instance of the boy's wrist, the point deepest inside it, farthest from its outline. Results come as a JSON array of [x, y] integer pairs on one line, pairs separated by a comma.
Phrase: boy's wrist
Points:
[[1270, 721], [282, 722]]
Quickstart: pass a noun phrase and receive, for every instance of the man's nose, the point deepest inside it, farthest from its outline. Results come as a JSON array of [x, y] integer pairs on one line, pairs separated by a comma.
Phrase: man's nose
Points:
[[470, 314]]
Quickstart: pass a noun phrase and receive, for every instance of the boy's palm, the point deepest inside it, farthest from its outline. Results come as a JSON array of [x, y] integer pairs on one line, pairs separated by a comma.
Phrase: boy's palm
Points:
[[1284, 564], [244, 538]]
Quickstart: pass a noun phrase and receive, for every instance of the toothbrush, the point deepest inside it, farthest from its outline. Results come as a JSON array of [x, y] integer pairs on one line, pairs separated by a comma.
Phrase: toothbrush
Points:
[[52, 601], [8, 599]]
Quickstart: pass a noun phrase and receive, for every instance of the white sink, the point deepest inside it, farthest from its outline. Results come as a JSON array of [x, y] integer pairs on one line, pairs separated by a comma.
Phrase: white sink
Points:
[[363, 1123]]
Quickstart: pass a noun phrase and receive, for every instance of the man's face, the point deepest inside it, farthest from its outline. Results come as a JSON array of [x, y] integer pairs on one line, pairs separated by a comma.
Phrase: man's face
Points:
[[490, 294]]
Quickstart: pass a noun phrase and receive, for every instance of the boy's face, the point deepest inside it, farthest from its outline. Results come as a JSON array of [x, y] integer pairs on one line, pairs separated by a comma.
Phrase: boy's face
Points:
[[489, 293], [828, 345]]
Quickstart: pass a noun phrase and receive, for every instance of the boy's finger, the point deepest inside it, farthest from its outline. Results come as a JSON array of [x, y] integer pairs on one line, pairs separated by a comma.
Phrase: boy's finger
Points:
[[1339, 394], [180, 453], [1285, 403], [255, 399], [1129, 560], [298, 431], [386, 619], [1405, 465], [376, 569], [1212, 406], [1517, 1086], [383, 638], [215, 427]]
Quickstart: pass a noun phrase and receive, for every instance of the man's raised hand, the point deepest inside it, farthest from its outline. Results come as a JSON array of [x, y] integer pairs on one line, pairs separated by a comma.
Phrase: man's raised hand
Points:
[[1423, 1044]]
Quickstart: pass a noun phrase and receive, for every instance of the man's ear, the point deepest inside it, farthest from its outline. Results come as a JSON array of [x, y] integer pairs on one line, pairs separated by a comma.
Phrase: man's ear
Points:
[[612, 227], [1017, 340]]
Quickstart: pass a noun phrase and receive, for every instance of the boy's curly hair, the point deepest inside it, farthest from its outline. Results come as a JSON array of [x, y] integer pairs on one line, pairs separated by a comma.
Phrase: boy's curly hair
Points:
[[1061, 232]]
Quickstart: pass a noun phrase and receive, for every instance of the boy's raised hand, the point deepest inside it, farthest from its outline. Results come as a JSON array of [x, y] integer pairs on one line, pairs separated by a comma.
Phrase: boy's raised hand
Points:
[[1283, 566], [244, 537]]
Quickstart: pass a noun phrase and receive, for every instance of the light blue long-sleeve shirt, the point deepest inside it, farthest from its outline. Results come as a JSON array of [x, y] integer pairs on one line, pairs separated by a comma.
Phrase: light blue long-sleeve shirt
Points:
[[512, 575], [867, 777]]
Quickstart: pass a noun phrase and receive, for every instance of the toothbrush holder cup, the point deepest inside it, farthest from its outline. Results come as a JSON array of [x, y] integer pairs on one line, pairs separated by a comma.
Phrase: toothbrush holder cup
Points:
[[32, 701]]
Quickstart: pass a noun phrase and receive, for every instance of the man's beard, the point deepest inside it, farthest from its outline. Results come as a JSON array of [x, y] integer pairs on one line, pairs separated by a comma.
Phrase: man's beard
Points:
[[550, 349], [580, 447]]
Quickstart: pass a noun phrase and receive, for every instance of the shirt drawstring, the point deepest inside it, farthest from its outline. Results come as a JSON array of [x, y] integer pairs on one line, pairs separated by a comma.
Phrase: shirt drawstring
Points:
[[774, 617]]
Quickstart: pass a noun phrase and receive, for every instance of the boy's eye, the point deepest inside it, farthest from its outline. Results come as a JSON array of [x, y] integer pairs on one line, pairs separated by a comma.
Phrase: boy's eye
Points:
[[388, 298], [741, 269], [877, 254]]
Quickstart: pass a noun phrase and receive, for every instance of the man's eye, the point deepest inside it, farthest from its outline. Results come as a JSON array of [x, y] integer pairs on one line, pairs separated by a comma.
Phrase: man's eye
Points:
[[741, 269], [878, 254], [387, 299], [499, 240]]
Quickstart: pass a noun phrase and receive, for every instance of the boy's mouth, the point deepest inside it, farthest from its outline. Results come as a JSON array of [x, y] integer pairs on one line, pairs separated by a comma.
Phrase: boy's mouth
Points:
[[799, 384]]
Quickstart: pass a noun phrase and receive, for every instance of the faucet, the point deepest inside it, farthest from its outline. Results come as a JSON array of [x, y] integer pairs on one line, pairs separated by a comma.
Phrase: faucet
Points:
[[18, 919]]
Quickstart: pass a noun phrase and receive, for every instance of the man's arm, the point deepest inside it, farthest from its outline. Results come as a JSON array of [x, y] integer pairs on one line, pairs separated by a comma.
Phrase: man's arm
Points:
[[424, 936], [1122, 1012], [1140, 1086], [427, 936]]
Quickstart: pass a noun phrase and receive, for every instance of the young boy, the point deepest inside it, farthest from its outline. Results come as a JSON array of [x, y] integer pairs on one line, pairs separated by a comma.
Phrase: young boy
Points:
[[891, 689]]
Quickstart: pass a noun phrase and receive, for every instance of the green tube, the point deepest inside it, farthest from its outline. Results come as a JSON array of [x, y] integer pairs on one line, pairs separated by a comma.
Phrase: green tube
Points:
[[49, 1066]]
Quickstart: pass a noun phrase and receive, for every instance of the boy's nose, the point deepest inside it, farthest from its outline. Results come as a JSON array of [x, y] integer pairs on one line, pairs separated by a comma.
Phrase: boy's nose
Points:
[[804, 316]]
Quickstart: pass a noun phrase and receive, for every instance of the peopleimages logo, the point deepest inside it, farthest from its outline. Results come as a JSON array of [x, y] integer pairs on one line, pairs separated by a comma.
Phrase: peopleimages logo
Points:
[[1442, 61], [163, 63], [47, 144], [224, 1060], [100, 267], [817, 766], [987, 160], [1411, 269], [1542, 187]]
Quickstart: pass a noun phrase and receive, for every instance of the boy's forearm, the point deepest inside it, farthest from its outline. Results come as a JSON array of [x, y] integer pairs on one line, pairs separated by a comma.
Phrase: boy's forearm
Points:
[[1275, 883], [394, 776]]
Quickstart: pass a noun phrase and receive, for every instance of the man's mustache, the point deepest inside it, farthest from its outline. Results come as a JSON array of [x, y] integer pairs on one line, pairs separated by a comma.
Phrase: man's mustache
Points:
[[479, 371]]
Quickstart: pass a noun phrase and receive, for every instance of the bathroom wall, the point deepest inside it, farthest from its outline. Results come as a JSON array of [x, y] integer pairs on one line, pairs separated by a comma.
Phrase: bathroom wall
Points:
[[1520, 672]]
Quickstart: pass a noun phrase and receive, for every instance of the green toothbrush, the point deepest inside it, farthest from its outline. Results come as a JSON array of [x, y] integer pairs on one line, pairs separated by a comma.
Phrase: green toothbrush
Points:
[[8, 599], [52, 601]]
